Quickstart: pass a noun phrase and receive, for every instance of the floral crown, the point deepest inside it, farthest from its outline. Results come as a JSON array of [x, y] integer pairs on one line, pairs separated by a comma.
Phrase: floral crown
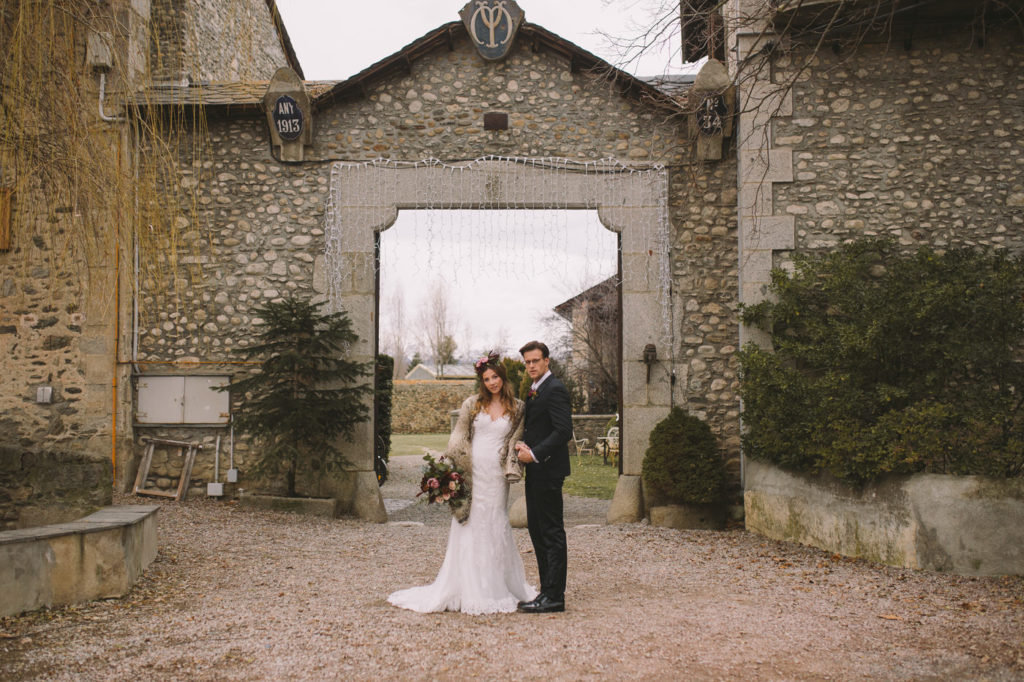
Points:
[[491, 359]]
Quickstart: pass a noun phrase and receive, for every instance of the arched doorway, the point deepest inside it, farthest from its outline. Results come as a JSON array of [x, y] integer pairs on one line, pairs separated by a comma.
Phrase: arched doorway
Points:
[[365, 199]]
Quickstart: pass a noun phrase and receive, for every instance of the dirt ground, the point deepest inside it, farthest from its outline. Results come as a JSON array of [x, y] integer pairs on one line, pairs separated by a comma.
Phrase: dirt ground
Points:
[[240, 595]]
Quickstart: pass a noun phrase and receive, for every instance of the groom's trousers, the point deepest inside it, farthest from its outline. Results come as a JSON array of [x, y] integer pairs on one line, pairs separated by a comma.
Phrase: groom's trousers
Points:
[[547, 531]]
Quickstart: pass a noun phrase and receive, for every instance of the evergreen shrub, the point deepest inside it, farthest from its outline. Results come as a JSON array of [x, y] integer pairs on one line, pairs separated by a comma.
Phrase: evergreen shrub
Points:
[[306, 393], [683, 463], [887, 362]]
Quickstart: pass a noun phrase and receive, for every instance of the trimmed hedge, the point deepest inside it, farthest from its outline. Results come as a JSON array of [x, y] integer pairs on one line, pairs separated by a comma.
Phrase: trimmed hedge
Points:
[[683, 463], [886, 362]]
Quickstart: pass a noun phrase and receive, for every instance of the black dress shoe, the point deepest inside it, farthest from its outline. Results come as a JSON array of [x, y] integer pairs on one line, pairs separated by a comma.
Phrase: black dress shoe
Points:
[[543, 604], [532, 602]]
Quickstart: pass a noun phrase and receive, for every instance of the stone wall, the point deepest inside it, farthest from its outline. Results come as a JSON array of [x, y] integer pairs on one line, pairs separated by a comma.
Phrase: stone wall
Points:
[[424, 406], [40, 330], [923, 145], [99, 556], [58, 330], [704, 269], [964, 524], [39, 487], [213, 40], [234, 40]]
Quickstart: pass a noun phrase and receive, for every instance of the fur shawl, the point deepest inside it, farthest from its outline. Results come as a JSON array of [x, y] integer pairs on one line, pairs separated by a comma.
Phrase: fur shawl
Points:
[[460, 449]]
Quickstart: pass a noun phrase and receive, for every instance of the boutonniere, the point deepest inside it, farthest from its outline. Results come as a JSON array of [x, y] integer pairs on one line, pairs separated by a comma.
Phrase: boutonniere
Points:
[[531, 394]]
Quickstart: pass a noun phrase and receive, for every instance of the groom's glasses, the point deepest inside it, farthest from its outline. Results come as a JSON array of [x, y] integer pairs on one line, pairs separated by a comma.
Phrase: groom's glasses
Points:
[[532, 362]]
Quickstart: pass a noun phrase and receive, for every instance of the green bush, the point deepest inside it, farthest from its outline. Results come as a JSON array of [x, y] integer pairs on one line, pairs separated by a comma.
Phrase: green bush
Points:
[[683, 464], [886, 362]]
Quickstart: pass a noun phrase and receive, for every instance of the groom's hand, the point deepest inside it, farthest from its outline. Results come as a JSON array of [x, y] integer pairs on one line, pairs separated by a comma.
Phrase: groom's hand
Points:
[[524, 453]]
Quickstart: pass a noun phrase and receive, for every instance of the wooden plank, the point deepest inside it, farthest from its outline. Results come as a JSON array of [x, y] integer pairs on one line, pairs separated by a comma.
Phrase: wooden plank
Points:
[[186, 473], [157, 493], [6, 214], [165, 441], [140, 477]]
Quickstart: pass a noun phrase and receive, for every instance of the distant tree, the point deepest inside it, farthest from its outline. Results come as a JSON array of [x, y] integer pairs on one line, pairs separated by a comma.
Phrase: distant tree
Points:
[[393, 334], [438, 325], [446, 353], [305, 394], [576, 396], [417, 359]]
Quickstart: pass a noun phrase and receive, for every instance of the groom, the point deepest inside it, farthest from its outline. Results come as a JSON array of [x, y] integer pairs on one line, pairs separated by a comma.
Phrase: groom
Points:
[[544, 451]]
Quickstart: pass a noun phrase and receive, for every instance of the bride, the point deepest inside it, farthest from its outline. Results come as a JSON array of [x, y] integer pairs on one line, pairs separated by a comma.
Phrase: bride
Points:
[[482, 571]]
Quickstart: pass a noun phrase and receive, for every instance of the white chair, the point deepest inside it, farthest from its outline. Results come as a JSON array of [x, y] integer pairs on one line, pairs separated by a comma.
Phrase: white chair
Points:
[[610, 445], [581, 448]]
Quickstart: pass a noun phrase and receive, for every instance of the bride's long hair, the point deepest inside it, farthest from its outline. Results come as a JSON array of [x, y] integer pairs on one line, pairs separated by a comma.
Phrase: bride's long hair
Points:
[[484, 396]]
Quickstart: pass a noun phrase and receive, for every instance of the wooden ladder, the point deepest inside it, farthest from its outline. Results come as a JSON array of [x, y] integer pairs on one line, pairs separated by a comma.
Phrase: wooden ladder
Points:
[[188, 449]]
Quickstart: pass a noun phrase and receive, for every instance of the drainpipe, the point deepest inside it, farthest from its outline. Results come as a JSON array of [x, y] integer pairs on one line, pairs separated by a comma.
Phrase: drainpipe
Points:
[[103, 88], [113, 381]]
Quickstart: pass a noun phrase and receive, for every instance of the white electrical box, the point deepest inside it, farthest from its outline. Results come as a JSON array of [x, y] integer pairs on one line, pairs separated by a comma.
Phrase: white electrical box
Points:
[[182, 400], [214, 489], [44, 395]]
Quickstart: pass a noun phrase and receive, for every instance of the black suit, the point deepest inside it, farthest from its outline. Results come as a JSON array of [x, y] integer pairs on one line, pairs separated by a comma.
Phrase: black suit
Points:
[[548, 429]]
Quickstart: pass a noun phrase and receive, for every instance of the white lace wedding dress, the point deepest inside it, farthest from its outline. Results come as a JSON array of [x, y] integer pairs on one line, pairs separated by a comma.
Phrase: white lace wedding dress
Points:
[[482, 570]]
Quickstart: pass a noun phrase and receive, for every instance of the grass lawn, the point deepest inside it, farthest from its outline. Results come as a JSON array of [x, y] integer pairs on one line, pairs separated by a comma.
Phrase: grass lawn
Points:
[[590, 478], [413, 443]]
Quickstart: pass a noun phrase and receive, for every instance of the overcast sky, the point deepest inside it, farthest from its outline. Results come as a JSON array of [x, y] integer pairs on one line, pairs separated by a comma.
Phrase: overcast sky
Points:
[[335, 39], [502, 286]]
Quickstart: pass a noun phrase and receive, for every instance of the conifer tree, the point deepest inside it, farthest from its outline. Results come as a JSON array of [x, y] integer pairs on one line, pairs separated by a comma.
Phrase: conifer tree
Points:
[[306, 393]]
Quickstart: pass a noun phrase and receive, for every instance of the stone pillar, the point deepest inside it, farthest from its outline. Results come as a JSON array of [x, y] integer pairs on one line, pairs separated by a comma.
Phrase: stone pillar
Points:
[[351, 281], [644, 402], [760, 163]]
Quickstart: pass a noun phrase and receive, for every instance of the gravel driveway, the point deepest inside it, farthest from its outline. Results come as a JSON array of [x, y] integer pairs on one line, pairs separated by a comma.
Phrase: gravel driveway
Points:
[[243, 595]]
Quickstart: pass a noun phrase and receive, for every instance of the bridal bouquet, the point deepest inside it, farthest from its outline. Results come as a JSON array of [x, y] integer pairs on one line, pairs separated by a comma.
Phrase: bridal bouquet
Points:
[[442, 482]]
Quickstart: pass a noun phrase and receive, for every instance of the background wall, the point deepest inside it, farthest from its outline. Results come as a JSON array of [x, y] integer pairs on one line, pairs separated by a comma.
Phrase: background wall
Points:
[[924, 145], [42, 486]]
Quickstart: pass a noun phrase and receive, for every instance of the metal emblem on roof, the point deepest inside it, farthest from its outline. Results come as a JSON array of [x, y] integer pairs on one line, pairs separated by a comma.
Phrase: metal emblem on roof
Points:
[[492, 25]]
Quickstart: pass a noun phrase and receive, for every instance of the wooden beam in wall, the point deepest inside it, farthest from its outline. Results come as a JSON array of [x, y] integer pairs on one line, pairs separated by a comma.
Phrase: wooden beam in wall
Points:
[[6, 217]]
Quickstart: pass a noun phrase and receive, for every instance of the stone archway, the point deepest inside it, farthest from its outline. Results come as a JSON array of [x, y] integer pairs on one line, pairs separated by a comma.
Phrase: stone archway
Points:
[[365, 199]]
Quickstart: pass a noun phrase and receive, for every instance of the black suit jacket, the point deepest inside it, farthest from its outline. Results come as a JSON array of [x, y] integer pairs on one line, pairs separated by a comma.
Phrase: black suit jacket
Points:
[[548, 429]]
